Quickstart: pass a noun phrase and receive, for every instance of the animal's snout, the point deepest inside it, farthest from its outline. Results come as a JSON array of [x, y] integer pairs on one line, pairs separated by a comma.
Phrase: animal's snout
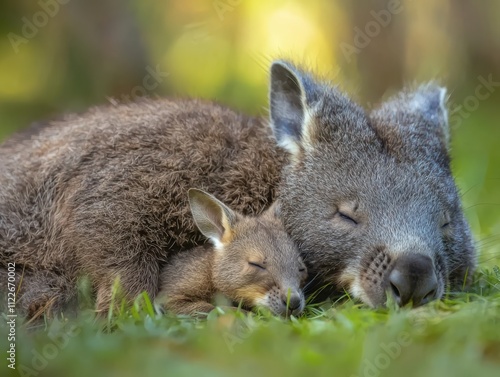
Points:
[[294, 302], [413, 279]]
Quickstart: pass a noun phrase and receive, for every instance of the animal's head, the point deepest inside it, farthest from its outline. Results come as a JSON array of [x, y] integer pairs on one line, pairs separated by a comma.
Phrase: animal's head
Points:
[[370, 197], [256, 262]]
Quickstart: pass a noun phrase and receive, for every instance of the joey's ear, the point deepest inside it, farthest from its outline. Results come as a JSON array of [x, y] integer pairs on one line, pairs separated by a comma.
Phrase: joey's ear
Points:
[[212, 217], [291, 93], [274, 211]]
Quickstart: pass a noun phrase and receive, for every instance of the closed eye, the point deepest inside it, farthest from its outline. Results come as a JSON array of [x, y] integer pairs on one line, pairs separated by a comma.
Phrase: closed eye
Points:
[[445, 221], [257, 265], [345, 217]]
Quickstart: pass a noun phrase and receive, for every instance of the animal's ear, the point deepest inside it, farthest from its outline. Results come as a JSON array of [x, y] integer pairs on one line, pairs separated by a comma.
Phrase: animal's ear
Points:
[[212, 217], [305, 112], [415, 119], [291, 93], [274, 211], [429, 101]]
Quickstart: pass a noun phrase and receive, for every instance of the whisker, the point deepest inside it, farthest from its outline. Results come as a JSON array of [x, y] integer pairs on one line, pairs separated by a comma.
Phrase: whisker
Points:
[[462, 194], [489, 258], [481, 204], [487, 245], [310, 282], [488, 237]]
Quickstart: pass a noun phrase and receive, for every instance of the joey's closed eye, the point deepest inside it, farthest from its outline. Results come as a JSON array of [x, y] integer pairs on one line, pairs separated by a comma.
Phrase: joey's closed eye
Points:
[[257, 265]]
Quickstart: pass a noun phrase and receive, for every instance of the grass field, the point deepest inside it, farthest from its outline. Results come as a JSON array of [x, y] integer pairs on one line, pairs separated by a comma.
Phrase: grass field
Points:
[[459, 336], [91, 51]]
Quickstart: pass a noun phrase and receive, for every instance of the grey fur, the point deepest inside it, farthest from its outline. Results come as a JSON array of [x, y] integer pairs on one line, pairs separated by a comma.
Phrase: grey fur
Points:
[[103, 193]]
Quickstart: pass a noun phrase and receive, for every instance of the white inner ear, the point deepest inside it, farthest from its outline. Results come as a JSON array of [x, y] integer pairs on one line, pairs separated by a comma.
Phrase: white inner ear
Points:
[[219, 246], [307, 140], [444, 110], [290, 145], [442, 102], [420, 103]]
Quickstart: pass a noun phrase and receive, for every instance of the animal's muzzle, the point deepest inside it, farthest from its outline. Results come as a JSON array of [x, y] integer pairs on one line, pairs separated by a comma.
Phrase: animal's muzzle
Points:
[[412, 279], [293, 303]]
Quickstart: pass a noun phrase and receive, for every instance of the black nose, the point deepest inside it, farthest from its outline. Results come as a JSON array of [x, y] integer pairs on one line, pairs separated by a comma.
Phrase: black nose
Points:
[[413, 279], [294, 302]]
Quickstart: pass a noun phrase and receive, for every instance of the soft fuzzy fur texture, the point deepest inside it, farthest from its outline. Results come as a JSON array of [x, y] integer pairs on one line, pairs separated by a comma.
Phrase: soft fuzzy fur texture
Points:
[[252, 262], [104, 193]]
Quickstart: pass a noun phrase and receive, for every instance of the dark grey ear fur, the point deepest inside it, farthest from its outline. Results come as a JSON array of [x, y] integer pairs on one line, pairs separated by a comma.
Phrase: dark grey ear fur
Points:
[[429, 100], [415, 121], [291, 93], [304, 111], [287, 102]]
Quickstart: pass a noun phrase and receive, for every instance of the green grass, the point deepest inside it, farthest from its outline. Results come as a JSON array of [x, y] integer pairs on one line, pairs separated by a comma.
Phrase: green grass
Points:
[[458, 336]]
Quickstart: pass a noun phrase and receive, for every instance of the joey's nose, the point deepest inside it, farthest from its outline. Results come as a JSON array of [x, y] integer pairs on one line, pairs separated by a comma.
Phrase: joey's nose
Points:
[[413, 279], [294, 302]]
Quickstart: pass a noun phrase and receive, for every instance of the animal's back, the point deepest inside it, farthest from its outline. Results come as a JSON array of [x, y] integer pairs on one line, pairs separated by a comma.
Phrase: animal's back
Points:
[[368, 197], [108, 187]]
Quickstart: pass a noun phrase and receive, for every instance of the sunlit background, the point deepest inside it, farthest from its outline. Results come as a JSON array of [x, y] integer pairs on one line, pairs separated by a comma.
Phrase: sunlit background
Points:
[[59, 56]]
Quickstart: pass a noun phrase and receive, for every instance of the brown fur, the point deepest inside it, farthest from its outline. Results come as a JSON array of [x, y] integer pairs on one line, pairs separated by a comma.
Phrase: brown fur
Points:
[[103, 193], [41, 292], [106, 196], [192, 279]]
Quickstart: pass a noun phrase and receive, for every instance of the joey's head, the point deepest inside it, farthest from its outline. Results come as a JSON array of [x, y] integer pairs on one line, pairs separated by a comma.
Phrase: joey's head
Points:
[[255, 261], [369, 197]]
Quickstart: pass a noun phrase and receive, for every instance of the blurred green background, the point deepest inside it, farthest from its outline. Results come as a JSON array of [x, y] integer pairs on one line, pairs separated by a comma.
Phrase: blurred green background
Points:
[[59, 56]]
